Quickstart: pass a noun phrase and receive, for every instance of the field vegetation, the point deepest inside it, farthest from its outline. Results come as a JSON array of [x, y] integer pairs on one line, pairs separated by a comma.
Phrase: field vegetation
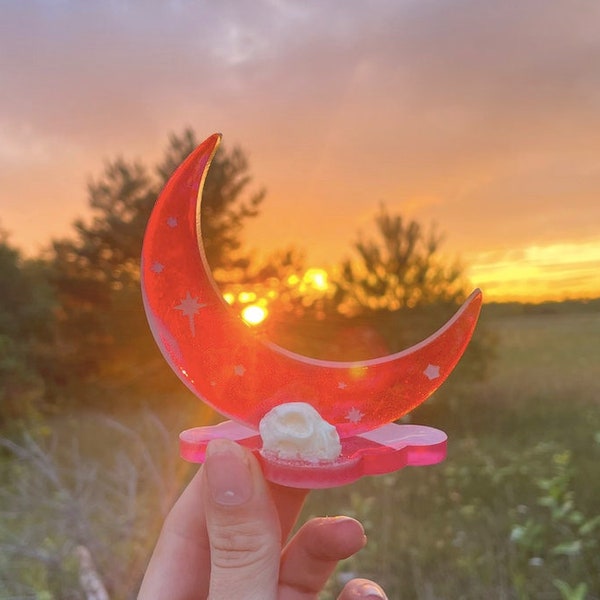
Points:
[[511, 514], [513, 511], [89, 411]]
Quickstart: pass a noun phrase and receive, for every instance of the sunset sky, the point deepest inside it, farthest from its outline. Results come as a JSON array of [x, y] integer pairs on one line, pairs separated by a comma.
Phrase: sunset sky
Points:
[[480, 116]]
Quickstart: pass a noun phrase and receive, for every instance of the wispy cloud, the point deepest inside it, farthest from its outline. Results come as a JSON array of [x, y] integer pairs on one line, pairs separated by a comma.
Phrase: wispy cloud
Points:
[[555, 271]]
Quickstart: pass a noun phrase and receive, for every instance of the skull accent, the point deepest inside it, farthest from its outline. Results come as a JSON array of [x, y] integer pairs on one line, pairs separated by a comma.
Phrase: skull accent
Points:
[[296, 431]]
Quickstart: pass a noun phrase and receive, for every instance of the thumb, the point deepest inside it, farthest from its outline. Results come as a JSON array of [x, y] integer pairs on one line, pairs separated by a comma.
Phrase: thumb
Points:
[[242, 524]]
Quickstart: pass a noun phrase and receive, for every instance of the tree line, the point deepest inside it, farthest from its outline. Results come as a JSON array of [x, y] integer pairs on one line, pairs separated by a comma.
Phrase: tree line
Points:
[[72, 320]]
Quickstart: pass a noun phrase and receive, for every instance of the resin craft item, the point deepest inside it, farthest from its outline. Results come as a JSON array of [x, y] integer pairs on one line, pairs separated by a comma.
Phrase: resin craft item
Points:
[[324, 423]]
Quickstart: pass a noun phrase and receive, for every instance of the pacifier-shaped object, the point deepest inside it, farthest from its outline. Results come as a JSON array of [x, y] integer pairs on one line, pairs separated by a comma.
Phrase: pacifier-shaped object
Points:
[[230, 365]]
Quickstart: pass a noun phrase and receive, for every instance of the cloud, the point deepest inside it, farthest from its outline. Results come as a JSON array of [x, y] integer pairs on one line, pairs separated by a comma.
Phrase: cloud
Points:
[[438, 71], [551, 271]]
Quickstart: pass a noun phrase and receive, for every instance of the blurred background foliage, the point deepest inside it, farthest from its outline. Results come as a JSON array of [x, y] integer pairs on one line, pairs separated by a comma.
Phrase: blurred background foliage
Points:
[[89, 410]]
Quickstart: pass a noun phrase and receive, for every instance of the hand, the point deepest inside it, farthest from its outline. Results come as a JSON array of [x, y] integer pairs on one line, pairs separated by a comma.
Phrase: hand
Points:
[[223, 539]]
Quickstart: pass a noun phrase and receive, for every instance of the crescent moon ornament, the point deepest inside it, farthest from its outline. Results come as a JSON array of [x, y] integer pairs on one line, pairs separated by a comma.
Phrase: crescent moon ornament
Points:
[[233, 368]]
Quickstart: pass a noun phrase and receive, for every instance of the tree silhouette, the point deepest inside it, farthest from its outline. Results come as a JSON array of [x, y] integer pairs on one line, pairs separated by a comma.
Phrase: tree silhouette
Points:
[[96, 273], [401, 288], [27, 323], [400, 269]]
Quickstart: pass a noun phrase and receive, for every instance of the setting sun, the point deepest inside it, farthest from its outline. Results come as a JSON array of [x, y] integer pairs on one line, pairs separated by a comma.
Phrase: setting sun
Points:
[[254, 314], [317, 279]]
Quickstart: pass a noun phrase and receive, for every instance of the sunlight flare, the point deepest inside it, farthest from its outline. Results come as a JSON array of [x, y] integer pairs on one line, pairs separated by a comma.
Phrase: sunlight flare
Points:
[[253, 314], [317, 279]]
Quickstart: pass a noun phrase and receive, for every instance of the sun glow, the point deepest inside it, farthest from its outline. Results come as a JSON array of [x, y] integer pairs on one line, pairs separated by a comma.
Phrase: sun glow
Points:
[[246, 297], [253, 314], [253, 304], [317, 279], [539, 273]]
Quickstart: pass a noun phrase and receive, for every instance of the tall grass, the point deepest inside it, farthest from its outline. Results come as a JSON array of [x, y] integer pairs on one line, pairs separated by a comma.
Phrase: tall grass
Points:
[[511, 514]]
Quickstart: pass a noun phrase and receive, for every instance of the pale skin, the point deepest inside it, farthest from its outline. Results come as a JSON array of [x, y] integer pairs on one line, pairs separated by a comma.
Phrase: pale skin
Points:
[[224, 539]]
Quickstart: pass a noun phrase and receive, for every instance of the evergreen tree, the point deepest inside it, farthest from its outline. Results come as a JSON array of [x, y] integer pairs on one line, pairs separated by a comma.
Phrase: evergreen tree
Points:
[[27, 309], [97, 272], [402, 268], [401, 288]]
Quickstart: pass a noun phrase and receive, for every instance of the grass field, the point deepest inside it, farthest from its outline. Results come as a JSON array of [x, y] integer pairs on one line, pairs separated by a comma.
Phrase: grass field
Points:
[[512, 513]]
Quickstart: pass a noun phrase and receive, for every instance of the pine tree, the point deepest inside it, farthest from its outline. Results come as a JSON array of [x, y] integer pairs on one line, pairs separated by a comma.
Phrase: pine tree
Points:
[[97, 272]]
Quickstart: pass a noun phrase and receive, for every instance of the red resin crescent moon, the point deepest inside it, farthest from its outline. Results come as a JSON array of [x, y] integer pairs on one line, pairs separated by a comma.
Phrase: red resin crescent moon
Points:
[[227, 363]]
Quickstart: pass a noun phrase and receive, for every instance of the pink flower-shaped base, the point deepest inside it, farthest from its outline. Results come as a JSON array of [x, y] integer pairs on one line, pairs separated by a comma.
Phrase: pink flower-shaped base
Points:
[[383, 450]]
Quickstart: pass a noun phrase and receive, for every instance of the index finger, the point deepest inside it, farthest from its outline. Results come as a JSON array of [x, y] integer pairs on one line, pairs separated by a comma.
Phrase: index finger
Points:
[[180, 564]]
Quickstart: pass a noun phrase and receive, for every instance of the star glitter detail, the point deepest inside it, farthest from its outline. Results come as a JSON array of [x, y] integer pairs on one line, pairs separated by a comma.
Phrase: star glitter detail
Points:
[[172, 222], [342, 385], [432, 372], [190, 307], [157, 267], [239, 370], [354, 415]]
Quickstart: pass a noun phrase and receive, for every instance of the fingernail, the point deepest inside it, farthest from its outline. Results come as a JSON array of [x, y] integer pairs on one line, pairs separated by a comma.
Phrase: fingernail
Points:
[[228, 473], [371, 591], [344, 521]]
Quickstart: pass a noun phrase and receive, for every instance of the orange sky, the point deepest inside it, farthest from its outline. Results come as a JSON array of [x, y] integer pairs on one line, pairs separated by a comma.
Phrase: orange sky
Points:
[[482, 117]]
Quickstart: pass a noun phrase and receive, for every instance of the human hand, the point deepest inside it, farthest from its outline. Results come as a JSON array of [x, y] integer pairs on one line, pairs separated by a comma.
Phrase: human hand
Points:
[[223, 539]]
